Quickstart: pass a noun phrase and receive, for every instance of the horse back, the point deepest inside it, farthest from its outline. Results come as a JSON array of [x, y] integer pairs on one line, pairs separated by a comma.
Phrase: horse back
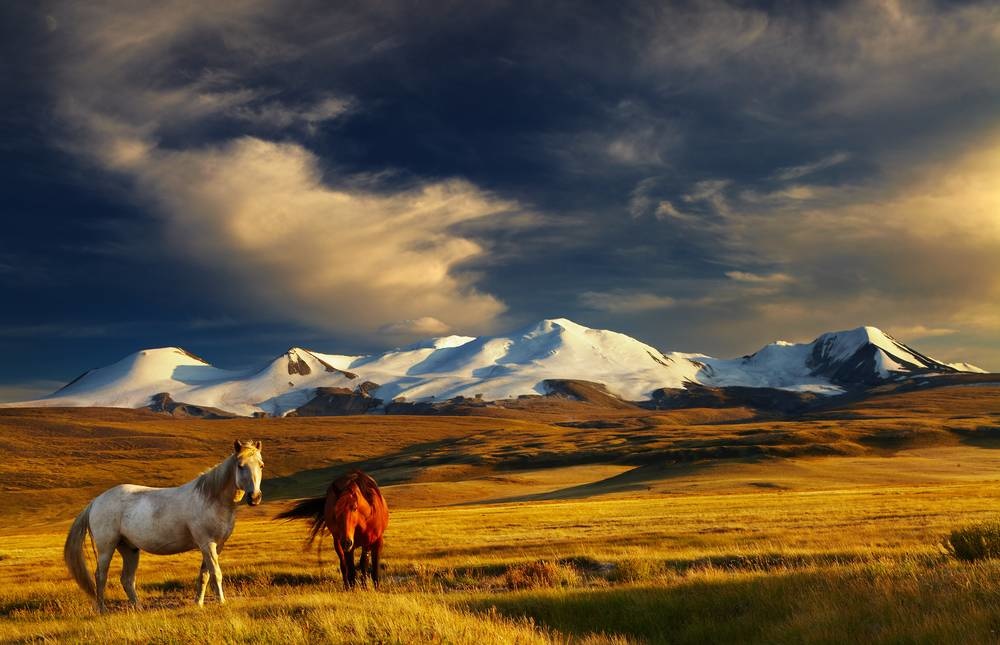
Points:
[[156, 520], [380, 513]]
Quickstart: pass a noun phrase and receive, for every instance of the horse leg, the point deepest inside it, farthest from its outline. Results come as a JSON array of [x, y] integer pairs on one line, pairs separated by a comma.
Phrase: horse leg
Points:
[[376, 558], [352, 572], [203, 577], [216, 574], [342, 557], [363, 567], [130, 563], [210, 553], [104, 554]]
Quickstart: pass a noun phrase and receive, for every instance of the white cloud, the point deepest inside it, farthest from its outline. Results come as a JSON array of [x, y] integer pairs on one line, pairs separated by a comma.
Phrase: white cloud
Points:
[[764, 278], [643, 201], [340, 259], [635, 148], [796, 172], [640, 201], [665, 210], [624, 301], [425, 326], [710, 194], [916, 332], [275, 114]]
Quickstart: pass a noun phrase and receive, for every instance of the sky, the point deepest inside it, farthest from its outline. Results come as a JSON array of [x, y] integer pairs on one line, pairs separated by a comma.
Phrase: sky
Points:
[[236, 178]]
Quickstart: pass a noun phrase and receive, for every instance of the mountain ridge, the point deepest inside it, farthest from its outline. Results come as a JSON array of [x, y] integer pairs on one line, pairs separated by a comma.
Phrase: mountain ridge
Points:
[[524, 362]]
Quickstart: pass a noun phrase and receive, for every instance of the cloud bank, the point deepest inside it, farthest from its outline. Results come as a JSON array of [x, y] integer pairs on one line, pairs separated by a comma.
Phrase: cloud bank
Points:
[[705, 176], [288, 238]]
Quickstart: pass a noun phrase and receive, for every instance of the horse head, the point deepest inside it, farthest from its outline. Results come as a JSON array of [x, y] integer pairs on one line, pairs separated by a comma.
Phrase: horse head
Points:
[[352, 511], [249, 470]]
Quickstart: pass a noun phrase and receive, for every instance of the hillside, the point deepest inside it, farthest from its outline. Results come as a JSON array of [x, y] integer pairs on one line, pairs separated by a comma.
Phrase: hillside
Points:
[[581, 445]]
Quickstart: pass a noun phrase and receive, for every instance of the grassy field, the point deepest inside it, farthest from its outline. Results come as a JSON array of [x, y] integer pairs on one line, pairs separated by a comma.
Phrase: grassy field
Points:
[[688, 527]]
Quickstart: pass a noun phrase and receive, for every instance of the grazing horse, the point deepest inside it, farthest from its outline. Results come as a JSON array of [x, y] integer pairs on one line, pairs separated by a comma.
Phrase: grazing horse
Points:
[[356, 514], [163, 521]]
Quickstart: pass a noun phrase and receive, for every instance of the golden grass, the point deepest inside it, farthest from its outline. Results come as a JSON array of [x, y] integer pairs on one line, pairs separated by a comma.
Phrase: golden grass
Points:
[[797, 565], [838, 548]]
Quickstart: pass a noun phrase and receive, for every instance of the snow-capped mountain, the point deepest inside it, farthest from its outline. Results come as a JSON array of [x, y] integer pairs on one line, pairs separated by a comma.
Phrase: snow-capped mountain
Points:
[[497, 367], [282, 385], [833, 362]]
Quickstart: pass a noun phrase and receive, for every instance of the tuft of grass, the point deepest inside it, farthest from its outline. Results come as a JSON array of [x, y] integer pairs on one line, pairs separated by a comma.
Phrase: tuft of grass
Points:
[[290, 579], [540, 574], [167, 586], [974, 542], [633, 569]]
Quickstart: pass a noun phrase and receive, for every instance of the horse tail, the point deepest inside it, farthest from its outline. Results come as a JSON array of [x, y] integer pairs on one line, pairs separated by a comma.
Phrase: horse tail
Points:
[[76, 562], [312, 510]]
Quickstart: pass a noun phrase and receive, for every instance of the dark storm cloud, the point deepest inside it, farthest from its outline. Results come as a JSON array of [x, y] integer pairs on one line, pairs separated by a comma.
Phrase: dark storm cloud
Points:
[[704, 175]]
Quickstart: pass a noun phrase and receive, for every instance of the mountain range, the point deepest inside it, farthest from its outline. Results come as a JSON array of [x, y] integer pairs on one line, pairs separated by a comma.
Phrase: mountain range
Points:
[[529, 362]]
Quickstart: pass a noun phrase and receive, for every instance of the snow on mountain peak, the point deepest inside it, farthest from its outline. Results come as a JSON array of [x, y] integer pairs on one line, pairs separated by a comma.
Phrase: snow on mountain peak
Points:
[[132, 380], [147, 365], [552, 326], [867, 354], [497, 367], [967, 367], [165, 356], [565, 323], [299, 361], [441, 342], [842, 344]]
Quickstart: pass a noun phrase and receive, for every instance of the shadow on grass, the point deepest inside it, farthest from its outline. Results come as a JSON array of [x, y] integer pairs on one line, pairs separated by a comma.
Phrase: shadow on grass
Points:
[[981, 437], [395, 468], [685, 614], [860, 604], [15, 607], [638, 478], [237, 581]]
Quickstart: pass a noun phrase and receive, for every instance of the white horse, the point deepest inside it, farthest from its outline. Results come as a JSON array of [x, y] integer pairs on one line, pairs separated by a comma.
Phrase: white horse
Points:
[[198, 515]]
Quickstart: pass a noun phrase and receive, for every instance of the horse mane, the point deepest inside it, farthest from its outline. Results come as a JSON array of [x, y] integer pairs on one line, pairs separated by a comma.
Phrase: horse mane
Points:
[[340, 504], [367, 485], [213, 482]]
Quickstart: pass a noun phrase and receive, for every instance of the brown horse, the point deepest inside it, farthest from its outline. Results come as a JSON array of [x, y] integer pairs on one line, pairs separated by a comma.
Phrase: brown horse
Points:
[[356, 514]]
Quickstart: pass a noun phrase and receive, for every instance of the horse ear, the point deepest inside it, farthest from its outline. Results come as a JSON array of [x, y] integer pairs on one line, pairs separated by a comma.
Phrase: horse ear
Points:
[[237, 446], [256, 444]]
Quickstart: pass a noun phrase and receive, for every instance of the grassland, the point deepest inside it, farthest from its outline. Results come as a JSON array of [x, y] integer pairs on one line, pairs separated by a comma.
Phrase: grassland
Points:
[[689, 526]]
